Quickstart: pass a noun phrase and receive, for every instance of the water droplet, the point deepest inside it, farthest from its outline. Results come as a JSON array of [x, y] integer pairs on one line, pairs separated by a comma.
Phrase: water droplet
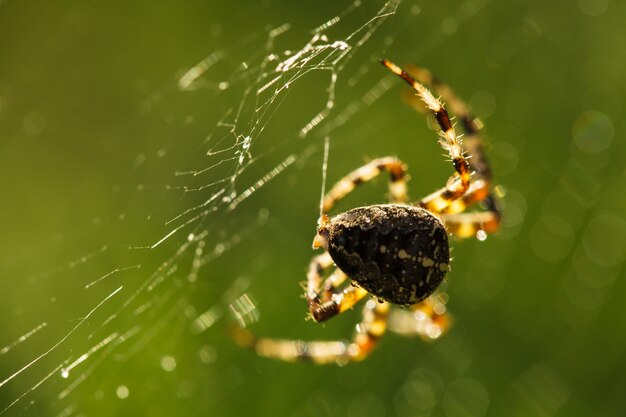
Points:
[[481, 235], [246, 143]]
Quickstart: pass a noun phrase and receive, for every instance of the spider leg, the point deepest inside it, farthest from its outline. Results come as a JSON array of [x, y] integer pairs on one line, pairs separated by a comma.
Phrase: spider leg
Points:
[[443, 201], [465, 225], [479, 164], [319, 264], [327, 300], [427, 319], [449, 140], [368, 332], [440, 201], [472, 143], [397, 184]]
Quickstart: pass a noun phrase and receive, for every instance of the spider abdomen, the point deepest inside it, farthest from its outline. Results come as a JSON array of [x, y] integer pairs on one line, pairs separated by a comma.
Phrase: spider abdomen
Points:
[[398, 253]]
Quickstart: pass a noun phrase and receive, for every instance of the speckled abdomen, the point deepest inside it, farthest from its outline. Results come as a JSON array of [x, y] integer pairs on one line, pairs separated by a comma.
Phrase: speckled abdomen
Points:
[[398, 253]]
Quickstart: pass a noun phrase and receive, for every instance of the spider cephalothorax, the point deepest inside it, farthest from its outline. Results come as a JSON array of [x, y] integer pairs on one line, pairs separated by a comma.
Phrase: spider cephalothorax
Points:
[[397, 253]]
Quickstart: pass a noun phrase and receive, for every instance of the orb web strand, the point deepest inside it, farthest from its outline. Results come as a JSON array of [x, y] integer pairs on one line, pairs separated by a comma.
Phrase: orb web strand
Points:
[[63, 339], [324, 171]]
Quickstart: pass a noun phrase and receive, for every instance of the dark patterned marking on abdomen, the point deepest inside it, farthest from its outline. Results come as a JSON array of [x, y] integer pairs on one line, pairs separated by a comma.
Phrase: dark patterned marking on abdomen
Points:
[[398, 253]]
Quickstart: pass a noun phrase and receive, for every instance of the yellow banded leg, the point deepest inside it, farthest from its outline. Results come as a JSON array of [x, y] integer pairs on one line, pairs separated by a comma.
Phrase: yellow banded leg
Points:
[[369, 331], [326, 300], [428, 319], [319, 264], [323, 309], [466, 225], [397, 185], [444, 199], [448, 139], [331, 284], [442, 202], [472, 143]]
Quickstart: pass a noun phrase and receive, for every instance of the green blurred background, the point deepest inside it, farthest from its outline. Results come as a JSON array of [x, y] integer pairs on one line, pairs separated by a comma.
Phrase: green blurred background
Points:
[[97, 140]]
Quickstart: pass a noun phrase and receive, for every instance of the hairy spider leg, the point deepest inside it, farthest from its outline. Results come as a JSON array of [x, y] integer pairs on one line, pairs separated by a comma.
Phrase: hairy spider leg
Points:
[[466, 224], [472, 143], [397, 184], [459, 183], [326, 300], [317, 268], [428, 319], [368, 332]]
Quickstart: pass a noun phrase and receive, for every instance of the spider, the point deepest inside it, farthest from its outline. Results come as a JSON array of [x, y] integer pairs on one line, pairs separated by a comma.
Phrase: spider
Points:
[[396, 253]]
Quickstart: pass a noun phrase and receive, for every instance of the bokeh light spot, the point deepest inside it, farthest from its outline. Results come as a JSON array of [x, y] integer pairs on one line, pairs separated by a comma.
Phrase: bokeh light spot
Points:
[[420, 393], [507, 158], [449, 26], [593, 131], [366, 405], [542, 390], [515, 207], [168, 363], [605, 240], [581, 185], [590, 273], [122, 392], [34, 124], [551, 238], [593, 7], [483, 104], [564, 204], [581, 295], [465, 398]]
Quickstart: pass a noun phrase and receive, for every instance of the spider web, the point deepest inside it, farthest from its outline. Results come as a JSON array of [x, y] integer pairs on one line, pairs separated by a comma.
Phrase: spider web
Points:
[[194, 204]]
